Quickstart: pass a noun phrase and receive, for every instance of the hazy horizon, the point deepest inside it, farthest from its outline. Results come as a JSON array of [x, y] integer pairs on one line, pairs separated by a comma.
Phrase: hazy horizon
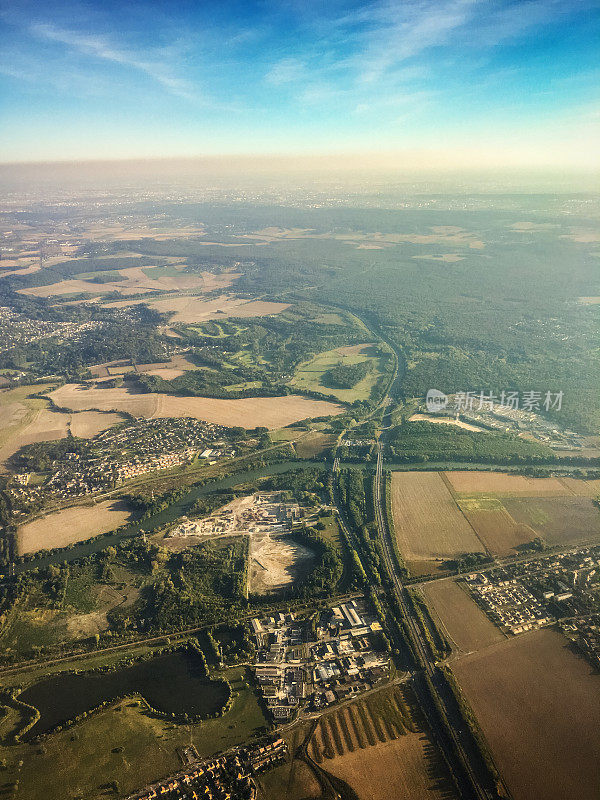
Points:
[[454, 83]]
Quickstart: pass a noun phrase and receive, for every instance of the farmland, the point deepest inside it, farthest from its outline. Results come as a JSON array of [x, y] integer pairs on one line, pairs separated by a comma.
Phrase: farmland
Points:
[[441, 515], [496, 528], [559, 520], [429, 525], [503, 484], [74, 524], [270, 412], [461, 620], [539, 708], [381, 749], [311, 374], [189, 309], [81, 277]]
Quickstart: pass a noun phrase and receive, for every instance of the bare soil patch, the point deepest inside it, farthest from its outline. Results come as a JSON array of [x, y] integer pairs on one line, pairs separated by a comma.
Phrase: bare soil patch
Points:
[[270, 412], [539, 707], [71, 525], [446, 421], [428, 523], [459, 617], [276, 562], [504, 484]]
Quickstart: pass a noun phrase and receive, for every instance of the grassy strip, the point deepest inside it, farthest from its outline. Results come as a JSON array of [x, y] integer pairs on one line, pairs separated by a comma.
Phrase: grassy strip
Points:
[[427, 625], [343, 722], [366, 723], [471, 720], [358, 732], [328, 750], [376, 720], [387, 490], [335, 731]]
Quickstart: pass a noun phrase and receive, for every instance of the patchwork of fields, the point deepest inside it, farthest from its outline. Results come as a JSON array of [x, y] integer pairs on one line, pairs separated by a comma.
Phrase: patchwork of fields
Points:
[[26, 420], [270, 412], [438, 516], [189, 309], [429, 525]]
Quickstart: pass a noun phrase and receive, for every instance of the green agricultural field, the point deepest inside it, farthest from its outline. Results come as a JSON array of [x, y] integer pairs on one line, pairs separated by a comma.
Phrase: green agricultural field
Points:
[[310, 374]]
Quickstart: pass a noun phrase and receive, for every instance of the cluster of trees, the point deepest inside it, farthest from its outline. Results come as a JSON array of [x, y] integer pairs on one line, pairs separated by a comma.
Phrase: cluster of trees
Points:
[[426, 441], [199, 585], [345, 376], [324, 577], [356, 497]]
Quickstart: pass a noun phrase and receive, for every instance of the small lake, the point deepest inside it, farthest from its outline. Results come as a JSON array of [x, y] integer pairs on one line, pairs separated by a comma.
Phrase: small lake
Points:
[[174, 682]]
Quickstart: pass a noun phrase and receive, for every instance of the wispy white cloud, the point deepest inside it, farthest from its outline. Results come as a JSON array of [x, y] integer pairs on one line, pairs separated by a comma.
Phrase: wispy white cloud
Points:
[[100, 47], [288, 70]]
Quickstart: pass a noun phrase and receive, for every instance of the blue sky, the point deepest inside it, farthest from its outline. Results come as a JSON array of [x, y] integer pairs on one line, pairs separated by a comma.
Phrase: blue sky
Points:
[[486, 81]]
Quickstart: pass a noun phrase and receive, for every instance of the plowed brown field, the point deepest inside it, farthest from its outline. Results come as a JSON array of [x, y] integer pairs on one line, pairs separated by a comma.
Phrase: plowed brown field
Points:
[[538, 705]]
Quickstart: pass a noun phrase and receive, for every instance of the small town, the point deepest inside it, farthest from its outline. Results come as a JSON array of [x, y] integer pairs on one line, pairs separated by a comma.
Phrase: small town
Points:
[[227, 777], [135, 448], [561, 587], [315, 665]]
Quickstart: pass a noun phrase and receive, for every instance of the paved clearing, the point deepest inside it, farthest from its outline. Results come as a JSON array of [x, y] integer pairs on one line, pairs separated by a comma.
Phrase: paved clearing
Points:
[[75, 524], [462, 621], [429, 525], [270, 412], [539, 707]]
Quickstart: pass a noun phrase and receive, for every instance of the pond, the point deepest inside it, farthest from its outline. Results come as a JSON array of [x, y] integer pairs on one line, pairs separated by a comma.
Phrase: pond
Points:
[[174, 682]]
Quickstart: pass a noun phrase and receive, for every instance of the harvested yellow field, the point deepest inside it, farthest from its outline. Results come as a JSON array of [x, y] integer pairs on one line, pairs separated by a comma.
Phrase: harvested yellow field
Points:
[[270, 412], [504, 484], [20, 416], [381, 747], [582, 488], [75, 524], [498, 530], [86, 424], [428, 523], [404, 769], [188, 309], [459, 617]]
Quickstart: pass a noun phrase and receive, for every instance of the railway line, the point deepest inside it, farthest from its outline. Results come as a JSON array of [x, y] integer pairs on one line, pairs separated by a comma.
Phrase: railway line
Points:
[[437, 701]]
